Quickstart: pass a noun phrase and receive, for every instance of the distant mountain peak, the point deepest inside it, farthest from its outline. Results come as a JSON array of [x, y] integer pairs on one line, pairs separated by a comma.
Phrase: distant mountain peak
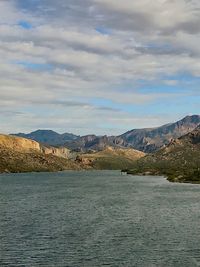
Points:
[[44, 131], [49, 137], [150, 140]]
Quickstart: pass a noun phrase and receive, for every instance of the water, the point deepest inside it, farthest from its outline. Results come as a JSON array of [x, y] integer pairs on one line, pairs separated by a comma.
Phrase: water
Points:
[[91, 219]]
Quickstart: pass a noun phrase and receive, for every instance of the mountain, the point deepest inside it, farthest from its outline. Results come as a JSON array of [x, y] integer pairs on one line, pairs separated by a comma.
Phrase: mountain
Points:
[[26, 145], [175, 150], [147, 140], [48, 137], [18, 154], [91, 143], [179, 160], [150, 140], [111, 158], [23, 155]]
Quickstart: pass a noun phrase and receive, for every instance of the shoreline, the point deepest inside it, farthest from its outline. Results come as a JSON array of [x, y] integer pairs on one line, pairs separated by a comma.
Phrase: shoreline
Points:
[[179, 179]]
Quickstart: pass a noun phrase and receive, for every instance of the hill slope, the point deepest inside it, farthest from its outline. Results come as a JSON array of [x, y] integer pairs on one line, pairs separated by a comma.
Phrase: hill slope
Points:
[[146, 140], [150, 140], [111, 158], [18, 154], [24, 155], [91, 142], [180, 160]]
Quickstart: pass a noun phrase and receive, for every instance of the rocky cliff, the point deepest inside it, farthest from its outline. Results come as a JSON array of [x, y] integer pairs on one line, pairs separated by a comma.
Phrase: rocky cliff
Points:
[[27, 145], [19, 144], [23, 155], [61, 152]]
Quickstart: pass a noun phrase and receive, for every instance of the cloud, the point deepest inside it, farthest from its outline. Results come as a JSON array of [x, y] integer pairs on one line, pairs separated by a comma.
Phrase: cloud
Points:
[[147, 16], [57, 56]]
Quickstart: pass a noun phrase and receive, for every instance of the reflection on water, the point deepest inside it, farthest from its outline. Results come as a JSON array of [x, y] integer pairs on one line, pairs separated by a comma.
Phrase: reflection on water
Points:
[[96, 219]]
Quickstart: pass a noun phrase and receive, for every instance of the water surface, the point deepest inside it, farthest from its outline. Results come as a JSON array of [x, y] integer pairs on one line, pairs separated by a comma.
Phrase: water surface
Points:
[[91, 219]]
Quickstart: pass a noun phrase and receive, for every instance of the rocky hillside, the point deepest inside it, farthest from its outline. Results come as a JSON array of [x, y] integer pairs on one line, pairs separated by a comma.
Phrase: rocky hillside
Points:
[[24, 155], [18, 154], [150, 140], [61, 152], [91, 143], [110, 158], [18, 144], [179, 160], [48, 137], [27, 145], [147, 140]]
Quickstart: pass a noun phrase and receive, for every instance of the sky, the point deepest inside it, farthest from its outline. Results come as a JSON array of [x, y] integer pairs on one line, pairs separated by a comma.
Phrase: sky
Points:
[[98, 66]]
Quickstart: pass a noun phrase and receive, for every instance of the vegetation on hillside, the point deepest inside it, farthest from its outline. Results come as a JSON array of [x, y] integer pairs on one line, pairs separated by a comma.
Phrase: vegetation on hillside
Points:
[[23, 155], [179, 161], [15, 161], [111, 158]]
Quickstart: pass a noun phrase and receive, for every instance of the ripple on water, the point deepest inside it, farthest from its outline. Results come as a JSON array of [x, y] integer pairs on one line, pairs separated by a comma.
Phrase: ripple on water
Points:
[[93, 219]]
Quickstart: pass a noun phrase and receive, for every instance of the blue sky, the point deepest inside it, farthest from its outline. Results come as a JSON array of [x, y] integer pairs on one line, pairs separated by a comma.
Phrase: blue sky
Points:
[[25, 24], [98, 66]]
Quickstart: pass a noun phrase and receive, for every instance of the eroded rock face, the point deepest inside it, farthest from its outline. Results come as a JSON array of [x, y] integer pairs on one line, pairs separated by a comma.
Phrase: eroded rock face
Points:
[[19, 144], [24, 145], [61, 152], [83, 160], [195, 136], [25, 155]]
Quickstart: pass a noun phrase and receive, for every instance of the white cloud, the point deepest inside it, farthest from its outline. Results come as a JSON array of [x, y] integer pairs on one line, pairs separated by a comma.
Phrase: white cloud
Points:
[[143, 40]]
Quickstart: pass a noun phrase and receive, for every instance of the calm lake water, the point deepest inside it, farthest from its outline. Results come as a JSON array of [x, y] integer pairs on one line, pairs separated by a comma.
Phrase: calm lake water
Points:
[[91, 219]]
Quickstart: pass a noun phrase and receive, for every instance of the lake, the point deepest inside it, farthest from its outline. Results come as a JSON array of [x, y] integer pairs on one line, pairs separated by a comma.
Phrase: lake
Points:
[[97, 218]]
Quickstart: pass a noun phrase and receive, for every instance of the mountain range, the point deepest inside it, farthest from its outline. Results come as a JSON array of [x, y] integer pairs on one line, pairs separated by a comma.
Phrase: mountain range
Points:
[[147, 140], [18, 154], [174, 151]]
